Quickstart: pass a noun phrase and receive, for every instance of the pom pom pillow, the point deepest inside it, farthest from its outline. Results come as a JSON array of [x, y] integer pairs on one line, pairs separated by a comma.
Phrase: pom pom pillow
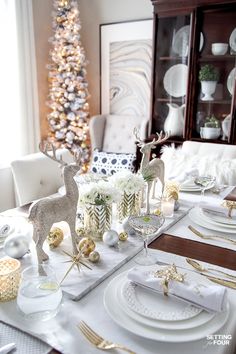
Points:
[[107, 163]]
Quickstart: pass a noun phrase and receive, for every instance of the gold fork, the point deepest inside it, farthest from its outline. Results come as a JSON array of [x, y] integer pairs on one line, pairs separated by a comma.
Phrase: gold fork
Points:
[[211, 237], [98, 341]]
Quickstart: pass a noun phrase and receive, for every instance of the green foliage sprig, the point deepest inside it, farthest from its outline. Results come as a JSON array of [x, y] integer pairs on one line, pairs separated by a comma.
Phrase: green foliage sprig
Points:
[[208, 73]]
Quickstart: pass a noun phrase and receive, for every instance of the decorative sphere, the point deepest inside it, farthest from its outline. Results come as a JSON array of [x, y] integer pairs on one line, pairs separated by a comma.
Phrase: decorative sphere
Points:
[[86, 246], [123, 236], [157, 212], [94, 256], [16, 246], [127, 228], [110, 238], [55, 237]]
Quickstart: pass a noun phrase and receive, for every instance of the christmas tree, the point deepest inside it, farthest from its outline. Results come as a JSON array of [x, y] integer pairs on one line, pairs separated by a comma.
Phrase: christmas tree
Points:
[[68, 88]]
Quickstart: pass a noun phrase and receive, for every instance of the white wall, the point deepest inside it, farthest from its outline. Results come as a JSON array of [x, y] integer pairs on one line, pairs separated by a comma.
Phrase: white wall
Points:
[[92, 14]]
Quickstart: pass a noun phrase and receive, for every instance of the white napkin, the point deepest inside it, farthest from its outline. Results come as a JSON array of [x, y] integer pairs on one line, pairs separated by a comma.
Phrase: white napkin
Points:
[[218, 210], [208, 297]]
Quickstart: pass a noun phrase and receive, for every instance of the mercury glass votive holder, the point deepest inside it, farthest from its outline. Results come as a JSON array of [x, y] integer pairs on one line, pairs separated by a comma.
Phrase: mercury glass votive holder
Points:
[[9, 278]]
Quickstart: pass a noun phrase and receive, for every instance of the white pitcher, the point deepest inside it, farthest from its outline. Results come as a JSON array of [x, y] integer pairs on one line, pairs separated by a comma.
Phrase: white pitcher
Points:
[[174, 123]]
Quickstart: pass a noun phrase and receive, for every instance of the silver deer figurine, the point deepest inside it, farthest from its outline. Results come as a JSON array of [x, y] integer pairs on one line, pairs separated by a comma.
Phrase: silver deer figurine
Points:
[[154, 168], [45, 212]]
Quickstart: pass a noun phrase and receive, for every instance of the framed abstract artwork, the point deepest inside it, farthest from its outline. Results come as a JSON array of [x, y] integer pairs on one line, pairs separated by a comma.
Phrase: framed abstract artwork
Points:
[[126, 55]]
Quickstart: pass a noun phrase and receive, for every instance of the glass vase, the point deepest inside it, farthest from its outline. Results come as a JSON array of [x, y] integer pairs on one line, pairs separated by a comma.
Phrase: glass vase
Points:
[[130, 204], [97, 220]]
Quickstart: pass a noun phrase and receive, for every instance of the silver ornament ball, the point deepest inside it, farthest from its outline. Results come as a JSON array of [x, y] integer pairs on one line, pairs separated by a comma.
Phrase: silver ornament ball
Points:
[[16, 246], [94, 256], [110, 238]]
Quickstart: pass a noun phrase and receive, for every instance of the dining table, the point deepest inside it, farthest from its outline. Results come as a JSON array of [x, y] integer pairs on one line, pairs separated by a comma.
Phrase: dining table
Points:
[[93, 296]]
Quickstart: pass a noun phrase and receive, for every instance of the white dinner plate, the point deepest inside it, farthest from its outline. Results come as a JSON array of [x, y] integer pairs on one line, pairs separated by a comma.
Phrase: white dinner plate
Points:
[[218, 219], [175, 80], [181, 41], [231, 80], [116, 312], [232, 40], [193, 322], [144, 301], [195, 216]]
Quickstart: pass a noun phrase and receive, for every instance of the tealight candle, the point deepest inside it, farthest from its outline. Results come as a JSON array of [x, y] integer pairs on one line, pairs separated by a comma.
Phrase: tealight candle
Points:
[[9, 278], [167, 207]]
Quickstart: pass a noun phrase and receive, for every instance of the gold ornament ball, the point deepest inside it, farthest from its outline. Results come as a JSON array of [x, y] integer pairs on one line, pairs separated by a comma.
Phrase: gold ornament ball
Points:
[[123, 236], [55, 237], [86, 246], [157, 212], [94, 257], [80, 231]]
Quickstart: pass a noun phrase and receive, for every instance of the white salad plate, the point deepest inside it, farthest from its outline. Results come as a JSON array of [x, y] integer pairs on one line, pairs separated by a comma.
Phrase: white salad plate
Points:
[[195, 215], [198, 320], [181, 41], [232, 40], [231, 80], [218, 219], [118, 313], [175, 80]]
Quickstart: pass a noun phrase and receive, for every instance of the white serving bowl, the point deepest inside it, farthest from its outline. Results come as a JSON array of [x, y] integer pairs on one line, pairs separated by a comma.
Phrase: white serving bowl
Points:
[[210, 133], [219, 48]]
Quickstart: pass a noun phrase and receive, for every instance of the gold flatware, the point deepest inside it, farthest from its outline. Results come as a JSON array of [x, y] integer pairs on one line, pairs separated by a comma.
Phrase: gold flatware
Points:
[[98, 341], [224, 282], [200, 268], [211, 237]]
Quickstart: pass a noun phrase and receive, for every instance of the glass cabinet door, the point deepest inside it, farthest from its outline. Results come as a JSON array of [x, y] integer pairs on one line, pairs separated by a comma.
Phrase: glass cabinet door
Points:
[[171, 74], [215, 81]]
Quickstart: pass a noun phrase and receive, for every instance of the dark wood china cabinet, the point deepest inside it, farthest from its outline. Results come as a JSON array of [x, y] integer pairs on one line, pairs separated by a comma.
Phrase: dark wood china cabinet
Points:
[[193, 41]]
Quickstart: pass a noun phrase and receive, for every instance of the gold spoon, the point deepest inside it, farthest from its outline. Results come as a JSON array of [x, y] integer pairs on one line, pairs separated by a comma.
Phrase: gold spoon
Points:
[[200, 268]]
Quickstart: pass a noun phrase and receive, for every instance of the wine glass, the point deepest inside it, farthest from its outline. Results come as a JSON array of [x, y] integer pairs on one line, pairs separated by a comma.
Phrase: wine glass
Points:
[[204, 182], [146, 225]]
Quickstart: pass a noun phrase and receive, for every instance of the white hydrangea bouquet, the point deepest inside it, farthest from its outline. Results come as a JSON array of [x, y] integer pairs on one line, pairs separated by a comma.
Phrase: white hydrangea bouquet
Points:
[[131, 186], [96, 199], [98, 193]]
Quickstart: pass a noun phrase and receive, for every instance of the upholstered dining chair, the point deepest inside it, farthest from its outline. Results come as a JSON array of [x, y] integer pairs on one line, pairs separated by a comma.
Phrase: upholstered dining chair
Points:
[[36, 176], [113, 142]]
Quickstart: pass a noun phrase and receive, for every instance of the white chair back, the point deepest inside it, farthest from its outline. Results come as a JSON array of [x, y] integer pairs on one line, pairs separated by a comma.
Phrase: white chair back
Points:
[[36, 176]]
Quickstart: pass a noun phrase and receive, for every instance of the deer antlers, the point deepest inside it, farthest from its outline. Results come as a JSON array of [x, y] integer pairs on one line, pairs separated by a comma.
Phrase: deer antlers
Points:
[[44, 148], [161, 137]]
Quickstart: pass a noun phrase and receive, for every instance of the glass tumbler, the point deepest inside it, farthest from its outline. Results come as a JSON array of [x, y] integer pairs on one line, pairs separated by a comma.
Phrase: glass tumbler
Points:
[[39, 296]]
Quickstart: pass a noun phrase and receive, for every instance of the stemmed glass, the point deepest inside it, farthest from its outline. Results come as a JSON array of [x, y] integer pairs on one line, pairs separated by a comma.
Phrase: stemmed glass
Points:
[[204, 182], [146, 225]]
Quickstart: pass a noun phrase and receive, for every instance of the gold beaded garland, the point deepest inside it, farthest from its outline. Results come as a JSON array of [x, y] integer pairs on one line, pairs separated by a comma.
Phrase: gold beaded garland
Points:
[[94, 256], [123, 236], [86, 246], [55, 237]]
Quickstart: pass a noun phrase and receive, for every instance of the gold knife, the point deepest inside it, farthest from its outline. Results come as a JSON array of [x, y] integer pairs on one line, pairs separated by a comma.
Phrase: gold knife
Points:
[[224, 282]]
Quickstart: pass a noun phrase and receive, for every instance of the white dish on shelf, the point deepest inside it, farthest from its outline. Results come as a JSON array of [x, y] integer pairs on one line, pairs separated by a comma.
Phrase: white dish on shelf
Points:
[[232, 40], [115, 310], [175, 80], [195, 216], [181, 41], [231, 80]]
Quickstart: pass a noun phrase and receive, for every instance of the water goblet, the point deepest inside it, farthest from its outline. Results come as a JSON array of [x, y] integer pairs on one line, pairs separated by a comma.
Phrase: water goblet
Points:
[[146, 225], [204, 182], [39, 296]]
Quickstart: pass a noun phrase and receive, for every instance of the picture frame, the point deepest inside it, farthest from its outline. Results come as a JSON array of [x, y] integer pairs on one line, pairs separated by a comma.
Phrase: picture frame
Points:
[[125, 67]]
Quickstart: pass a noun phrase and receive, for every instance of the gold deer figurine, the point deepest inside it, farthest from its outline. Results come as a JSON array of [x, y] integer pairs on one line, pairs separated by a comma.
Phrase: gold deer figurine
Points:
[[154, 168], [45, 212]]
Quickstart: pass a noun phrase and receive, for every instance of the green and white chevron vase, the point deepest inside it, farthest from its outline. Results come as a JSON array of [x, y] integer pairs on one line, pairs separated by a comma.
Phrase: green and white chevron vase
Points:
[[97, 220], [130, 204]]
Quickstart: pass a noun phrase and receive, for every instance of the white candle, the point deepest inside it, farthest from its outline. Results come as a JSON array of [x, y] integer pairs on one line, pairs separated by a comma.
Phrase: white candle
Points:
[[167, 207]]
